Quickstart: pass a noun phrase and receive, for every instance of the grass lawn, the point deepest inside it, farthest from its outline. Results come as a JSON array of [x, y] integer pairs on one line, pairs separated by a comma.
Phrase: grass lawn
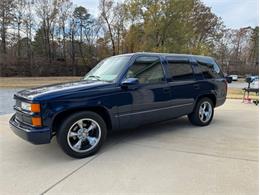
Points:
[[27, 82], [238, 94]]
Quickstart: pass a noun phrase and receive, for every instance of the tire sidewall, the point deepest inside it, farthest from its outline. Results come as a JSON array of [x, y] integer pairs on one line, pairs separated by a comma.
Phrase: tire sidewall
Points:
[[66, 125], [194, 116], [201, 101]]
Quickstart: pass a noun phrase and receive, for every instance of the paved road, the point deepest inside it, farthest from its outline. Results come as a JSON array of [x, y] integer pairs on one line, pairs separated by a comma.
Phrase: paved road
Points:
[[237, 85], [167, 158], [6, 100]]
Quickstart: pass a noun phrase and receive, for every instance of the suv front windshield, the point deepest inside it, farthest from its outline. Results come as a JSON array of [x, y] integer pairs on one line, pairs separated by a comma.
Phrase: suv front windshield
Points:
[[108, 69]]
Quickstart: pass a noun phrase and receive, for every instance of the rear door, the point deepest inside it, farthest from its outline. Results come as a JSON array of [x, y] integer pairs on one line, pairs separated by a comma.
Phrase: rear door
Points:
[[183, 84]]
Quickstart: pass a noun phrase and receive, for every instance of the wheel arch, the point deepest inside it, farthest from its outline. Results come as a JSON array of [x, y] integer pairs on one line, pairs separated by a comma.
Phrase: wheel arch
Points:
[[57, 120], [210, 96]]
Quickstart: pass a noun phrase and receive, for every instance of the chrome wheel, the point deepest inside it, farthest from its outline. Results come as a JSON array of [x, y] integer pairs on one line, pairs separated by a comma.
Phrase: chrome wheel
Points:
[[84, 135], [205, 112]]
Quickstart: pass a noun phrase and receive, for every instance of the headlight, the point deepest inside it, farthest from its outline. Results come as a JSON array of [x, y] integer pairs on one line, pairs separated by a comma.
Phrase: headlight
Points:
[[26, 106], [30, 107]]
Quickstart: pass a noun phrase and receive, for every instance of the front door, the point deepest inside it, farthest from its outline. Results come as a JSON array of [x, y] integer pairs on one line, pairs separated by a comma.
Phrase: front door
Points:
[[152, 97]]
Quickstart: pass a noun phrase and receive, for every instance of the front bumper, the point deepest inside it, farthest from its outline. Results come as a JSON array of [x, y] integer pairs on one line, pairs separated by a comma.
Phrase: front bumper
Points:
[[31, 134]]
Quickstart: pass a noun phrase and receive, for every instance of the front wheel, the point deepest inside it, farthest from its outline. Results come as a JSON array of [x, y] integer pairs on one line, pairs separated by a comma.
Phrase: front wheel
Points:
[[82, 134], [202, 113]]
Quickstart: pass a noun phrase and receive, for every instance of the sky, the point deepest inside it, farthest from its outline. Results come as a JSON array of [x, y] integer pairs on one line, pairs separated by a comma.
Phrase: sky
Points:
[[234, 13]]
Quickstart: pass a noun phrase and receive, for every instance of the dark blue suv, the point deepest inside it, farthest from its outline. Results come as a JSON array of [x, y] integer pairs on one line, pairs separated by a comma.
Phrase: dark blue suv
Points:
[[123, 91]]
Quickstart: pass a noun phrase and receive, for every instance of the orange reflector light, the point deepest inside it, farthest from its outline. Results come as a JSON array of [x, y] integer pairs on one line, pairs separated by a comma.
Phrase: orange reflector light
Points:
[[36, 121], [35, 108]]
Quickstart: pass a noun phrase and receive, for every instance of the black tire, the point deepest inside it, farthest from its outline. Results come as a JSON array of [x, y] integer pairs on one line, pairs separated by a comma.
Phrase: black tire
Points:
[[194, 117], [68, 123]]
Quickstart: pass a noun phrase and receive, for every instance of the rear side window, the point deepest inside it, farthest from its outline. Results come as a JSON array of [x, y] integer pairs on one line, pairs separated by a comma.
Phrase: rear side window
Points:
[[180, 70], [210, 70]]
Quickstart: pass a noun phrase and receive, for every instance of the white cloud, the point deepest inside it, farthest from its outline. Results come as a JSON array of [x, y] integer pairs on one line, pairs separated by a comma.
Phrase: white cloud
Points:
[[236, 13], [91, 5]]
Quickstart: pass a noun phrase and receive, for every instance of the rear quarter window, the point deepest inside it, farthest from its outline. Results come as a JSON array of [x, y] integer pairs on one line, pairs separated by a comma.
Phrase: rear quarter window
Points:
[[210, 69]]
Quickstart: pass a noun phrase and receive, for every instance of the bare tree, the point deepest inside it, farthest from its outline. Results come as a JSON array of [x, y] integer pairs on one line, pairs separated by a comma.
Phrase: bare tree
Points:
[[6, 16], [72, 33], [254, 48], [19, 19], [29, 21], [119, 25], [47, 11], [82, 19], [64, 11], [107, 16], [91, 35]]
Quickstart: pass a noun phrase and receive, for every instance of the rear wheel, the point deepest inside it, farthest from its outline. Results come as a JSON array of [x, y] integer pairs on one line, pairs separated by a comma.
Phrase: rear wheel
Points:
[[82, 134], [203, 112]]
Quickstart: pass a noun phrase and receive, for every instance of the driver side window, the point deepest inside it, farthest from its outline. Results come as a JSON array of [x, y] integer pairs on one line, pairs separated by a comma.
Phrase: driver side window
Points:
[[147, 69]]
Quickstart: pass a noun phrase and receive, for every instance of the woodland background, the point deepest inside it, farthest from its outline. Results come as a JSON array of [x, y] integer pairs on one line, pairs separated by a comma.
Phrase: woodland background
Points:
[[58, 38]]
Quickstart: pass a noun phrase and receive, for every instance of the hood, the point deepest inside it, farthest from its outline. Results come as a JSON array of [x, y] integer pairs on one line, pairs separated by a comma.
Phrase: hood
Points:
[[61, 89]]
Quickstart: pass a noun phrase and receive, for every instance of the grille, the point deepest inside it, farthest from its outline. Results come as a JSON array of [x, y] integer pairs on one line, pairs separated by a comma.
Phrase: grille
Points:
[[23, 118], [19, 116]]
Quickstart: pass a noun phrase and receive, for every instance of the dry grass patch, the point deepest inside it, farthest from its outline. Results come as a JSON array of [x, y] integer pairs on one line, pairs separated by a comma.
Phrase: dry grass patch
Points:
[[238, 94], [27, 82]]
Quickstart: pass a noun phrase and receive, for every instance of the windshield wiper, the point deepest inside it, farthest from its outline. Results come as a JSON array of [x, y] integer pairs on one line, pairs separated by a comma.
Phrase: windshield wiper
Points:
[[96, 77]]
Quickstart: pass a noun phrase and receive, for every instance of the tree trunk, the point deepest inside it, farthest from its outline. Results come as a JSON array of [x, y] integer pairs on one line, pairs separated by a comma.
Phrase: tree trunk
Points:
[[80, 44], [111, 36], [53, 50], [64, 41], [48, 41], [19, 39], [118, 41], [30, 47], [73, 54], [3, 32]]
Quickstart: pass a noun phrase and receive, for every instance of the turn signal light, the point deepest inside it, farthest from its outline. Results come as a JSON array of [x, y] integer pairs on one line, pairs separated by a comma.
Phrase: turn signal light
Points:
[[37, 121], [35, 108]]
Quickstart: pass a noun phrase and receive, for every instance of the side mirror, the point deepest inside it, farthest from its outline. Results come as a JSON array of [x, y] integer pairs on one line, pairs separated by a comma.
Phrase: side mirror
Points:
[[130, 83]]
